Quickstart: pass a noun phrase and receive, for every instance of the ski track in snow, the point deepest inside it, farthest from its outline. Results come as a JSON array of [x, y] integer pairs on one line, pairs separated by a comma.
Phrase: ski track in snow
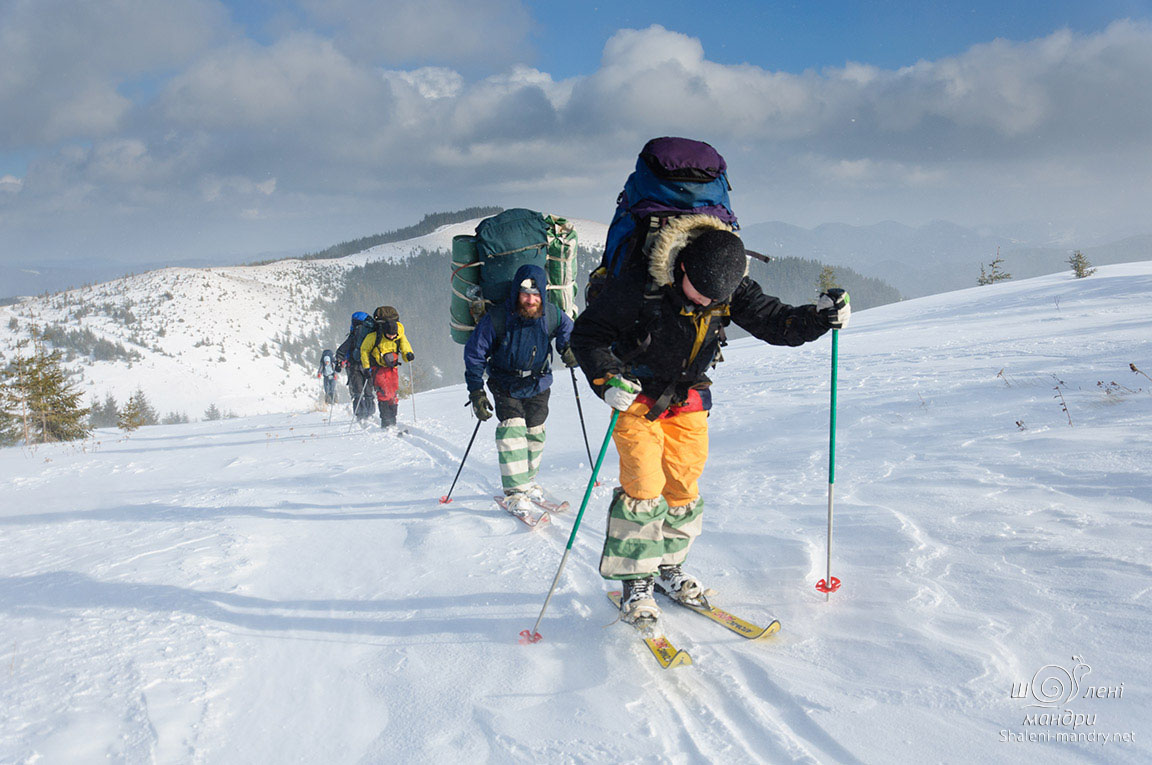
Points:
[[287, 589]]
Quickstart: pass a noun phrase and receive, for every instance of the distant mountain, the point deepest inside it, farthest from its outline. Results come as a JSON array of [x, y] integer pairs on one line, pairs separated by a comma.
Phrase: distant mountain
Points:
[[38, 277], [247, 339], [937, 257]]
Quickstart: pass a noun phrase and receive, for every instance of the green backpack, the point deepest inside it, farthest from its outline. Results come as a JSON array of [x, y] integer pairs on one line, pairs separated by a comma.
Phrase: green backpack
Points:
[[484, 264]]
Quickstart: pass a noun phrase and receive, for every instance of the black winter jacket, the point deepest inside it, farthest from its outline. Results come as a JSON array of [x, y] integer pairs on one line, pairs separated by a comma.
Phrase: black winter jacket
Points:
[[665, 341]]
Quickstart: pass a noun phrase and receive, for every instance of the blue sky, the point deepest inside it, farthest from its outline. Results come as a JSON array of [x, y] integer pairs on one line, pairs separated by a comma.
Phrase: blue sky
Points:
[[790, 36], [195, 128], [794, 36]]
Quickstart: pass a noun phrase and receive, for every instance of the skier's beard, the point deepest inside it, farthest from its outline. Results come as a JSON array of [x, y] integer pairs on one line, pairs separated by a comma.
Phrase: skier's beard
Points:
[[530, 312]]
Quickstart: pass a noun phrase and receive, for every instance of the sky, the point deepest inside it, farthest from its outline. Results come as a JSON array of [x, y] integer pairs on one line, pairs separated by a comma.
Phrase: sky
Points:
[[151, 132]]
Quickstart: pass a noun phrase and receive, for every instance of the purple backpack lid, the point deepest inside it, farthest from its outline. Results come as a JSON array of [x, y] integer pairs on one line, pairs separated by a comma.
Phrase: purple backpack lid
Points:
[[675, 154]]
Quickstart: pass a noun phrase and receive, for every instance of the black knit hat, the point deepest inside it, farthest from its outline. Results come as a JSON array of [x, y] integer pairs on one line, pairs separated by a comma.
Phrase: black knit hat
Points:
[[715, 263]]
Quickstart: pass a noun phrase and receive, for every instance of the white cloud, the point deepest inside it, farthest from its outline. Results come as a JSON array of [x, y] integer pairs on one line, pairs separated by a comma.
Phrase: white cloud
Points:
[[431, 82], [305, 126], [10, 184], [298, 83], [61, 61], [451, 32], [214, 188]]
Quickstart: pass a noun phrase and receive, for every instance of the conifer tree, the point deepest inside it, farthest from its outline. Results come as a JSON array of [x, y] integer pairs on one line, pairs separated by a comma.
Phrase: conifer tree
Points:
[[826, 280], [105, 415], [994, 273], [137, 413], [37, 402], [1080, 265]]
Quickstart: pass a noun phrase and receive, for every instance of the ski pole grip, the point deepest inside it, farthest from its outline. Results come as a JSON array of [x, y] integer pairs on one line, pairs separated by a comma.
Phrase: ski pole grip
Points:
[[618, 381]]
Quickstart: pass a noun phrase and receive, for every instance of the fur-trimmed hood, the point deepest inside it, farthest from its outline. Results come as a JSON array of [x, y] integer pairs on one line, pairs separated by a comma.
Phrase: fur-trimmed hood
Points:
[[672, 238]]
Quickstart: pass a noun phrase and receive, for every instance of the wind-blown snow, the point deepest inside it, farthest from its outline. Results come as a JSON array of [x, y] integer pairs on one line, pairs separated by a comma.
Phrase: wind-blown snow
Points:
[[284, 589]]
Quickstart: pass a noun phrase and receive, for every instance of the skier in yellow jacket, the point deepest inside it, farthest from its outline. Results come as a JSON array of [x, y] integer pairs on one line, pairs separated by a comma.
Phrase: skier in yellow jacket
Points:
[[381, 355]]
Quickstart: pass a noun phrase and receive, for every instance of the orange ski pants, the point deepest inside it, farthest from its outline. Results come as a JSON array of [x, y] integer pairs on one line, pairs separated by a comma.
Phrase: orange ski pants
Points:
[[664, 457]]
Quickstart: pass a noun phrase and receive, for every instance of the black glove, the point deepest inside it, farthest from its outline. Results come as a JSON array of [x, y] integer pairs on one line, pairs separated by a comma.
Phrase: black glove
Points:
[[569, 358], [833, 308], [409, 356], [481, 406]]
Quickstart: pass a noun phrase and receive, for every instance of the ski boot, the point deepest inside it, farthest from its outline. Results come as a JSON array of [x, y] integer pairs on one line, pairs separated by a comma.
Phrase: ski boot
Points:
[[636, 602], [678, 585], [519, 505]]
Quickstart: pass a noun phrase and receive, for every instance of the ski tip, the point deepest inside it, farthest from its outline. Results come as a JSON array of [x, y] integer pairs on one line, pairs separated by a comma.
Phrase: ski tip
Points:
[[769, 631], [528, 637]]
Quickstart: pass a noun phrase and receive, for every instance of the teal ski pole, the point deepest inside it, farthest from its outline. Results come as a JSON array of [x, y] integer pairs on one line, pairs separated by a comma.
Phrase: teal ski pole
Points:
[[830, 583], [532, 636]]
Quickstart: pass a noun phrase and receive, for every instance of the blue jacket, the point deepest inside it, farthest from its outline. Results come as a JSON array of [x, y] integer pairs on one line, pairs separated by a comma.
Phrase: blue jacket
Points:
[[519, 363]]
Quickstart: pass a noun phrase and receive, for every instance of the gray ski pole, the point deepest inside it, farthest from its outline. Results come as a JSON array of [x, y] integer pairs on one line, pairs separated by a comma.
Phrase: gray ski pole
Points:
[[412, 388], [448, 497], [532, 636], [580, 411], [356, 402]]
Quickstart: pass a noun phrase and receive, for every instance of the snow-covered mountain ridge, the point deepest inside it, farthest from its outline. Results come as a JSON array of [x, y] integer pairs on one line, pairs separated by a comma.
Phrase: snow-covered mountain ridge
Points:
[[228, 336]]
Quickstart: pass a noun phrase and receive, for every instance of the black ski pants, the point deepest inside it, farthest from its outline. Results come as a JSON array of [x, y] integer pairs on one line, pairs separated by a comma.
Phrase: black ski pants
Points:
[[361, 393], [534, 410]]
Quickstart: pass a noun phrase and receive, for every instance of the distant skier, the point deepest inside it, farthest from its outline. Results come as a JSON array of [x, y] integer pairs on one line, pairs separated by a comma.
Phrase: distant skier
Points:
[[513, 344], [381, 354], [327, 372], [348, 357], [645, 344]]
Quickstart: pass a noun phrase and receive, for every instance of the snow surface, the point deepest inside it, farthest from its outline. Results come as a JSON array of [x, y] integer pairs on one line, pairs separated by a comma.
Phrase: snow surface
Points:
[[284, 589], [215, 335]]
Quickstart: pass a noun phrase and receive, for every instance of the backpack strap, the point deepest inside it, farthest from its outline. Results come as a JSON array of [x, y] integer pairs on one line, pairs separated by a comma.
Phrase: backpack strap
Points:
[[499, 322], [551, 319]]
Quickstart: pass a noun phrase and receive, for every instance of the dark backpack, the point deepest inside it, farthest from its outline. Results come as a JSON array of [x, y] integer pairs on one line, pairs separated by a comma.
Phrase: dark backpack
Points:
[[360, 329], [673, 177], [386, 312], [483, 265]]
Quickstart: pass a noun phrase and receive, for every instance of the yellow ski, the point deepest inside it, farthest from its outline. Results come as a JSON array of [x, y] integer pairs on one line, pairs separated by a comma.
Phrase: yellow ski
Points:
[[661, 647], [741, 627]]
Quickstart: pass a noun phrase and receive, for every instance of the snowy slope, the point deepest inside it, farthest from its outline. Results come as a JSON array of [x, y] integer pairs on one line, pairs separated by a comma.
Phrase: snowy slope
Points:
[[201, 334], [281, 589], [216, 335]]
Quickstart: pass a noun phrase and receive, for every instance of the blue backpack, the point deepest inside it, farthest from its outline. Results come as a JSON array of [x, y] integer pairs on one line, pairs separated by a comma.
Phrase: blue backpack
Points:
[[673, 176], [362, 326]]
